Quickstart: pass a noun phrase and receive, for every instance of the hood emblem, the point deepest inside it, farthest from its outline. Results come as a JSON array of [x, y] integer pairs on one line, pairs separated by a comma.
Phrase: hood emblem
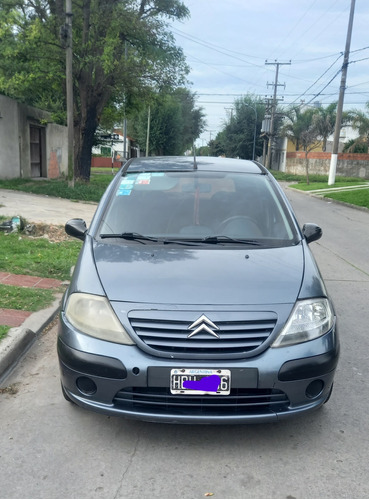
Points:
[[203, 324]]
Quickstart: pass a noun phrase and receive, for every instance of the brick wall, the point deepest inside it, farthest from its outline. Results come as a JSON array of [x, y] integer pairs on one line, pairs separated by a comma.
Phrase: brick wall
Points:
[[53, 166], [102, 162]]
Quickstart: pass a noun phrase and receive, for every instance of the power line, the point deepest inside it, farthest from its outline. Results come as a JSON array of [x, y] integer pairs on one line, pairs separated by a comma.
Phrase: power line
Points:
[[322, 18], [216, 48], [296, 24], [330, 81], [359, 50], [221, 71], [321, 76], [359, 60]]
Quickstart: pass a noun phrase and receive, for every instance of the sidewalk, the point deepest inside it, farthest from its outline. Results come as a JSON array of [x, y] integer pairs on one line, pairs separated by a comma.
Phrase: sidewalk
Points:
[[25, 325], [41, 208], [15, 317]]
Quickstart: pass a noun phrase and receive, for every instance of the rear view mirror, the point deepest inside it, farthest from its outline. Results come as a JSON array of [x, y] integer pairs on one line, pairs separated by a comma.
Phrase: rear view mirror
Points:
[[312, 232], [76, 228]]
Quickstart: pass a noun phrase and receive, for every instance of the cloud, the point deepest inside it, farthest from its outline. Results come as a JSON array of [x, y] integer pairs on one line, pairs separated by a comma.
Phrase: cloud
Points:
[[227, 43]]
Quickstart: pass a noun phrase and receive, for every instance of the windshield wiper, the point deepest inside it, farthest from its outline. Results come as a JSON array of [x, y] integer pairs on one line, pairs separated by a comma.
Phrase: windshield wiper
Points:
[[188, 242], [227, 239], [138, 237], [128, 236]]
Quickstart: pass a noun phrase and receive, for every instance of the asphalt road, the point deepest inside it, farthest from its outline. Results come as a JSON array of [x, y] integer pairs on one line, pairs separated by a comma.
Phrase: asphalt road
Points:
[[51, 449]]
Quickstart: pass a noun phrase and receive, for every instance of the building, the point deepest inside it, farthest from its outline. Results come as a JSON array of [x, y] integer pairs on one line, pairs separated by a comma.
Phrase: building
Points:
[[112, 146], [287, 159], [31, 145]]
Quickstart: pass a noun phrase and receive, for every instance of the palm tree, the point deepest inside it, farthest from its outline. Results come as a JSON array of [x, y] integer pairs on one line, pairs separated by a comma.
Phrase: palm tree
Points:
[[302, 131], [324, 122], [293, 128], [360, 122]]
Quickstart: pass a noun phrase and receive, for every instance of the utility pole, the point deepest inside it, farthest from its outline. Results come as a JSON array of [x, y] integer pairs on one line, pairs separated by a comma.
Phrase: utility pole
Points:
[[274, 107], [337, 128], [69, 86], [255, 124], [210, 132], [265, 126], [125, 116], [125, 139], [231, 111], [148, 132]]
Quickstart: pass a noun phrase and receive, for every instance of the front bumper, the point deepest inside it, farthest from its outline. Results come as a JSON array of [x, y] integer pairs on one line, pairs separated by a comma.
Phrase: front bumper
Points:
[[125, 381]]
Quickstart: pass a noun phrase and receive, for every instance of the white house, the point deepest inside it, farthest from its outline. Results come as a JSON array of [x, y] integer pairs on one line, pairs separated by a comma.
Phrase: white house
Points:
[[112, 145]]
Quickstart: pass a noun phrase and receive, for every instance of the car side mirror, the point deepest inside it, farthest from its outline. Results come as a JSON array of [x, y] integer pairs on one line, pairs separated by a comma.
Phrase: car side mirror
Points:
[[76, 228], [312, 232]]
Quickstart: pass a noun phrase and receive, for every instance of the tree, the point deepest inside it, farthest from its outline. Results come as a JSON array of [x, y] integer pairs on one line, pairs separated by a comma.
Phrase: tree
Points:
[[217, 145], [203, 151], [297, 122], [360, 122], [310, 140], [356, 146], [302, 131], [236, 140], [121, 48], [192, 117], [175, 123], [324, 122], [32, 62]]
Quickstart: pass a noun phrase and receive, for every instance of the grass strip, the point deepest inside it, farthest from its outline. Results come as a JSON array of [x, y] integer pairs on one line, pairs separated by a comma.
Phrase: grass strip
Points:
[[37, 256], [322, 185], [3, 331], [25, 299], [59, 188], [359, 197]]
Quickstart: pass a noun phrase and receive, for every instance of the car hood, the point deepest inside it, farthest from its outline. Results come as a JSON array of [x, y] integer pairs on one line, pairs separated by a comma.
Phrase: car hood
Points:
[[163, 275]]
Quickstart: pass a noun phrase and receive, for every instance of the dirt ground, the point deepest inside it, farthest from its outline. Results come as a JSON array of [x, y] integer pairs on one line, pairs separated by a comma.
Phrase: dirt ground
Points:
[[51, 232]]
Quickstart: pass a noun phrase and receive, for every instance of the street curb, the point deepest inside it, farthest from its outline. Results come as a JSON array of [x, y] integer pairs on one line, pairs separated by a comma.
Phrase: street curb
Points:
[[329, 200], [19, 339]]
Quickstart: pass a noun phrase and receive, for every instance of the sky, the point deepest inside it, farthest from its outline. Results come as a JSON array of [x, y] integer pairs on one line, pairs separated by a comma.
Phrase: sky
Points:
[[228, 42]]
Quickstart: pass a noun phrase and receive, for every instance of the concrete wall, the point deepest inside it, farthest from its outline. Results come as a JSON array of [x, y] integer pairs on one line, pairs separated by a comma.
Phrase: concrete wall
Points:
[[9, 139], [15, 153], [348, 165]]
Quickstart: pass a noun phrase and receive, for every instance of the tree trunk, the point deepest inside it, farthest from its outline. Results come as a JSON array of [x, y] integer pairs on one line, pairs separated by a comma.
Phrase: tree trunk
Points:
[[92, 100], [307, 167], [84, 139]]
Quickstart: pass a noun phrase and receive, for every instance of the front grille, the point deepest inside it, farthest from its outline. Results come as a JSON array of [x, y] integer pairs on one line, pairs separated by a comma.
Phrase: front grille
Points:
[[159, 400], [239, 333]]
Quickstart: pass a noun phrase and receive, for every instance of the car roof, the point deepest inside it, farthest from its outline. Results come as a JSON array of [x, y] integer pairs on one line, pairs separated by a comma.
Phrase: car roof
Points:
[[188, 163]]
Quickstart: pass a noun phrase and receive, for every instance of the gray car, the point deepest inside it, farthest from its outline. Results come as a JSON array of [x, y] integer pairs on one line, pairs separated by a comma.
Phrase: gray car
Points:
[[196, 299]]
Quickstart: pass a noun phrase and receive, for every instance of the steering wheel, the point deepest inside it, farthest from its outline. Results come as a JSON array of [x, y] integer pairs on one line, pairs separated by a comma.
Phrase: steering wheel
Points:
[[244, 221]]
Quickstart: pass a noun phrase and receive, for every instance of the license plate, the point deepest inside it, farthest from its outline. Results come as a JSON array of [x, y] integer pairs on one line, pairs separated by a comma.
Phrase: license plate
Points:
[[200, 381]]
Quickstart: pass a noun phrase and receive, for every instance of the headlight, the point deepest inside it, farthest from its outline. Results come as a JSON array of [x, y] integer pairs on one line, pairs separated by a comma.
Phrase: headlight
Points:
[[309, 320], [93, 315]]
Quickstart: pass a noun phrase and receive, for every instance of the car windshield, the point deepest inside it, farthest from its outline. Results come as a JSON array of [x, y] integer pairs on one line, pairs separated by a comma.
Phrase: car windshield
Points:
[[205, 206]]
